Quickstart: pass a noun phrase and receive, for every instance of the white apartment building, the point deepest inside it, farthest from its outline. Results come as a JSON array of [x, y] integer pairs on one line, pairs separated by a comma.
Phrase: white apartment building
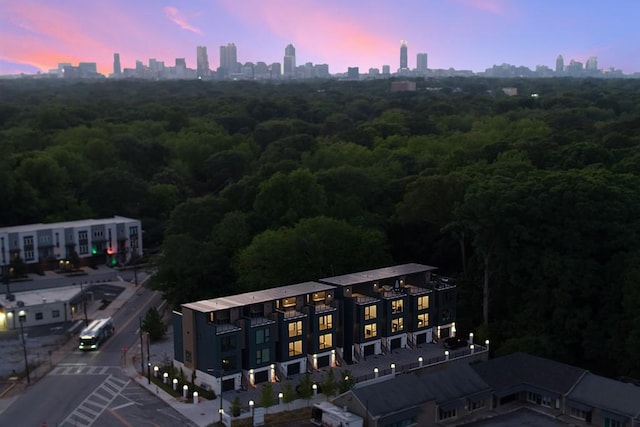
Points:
[[110, 240]]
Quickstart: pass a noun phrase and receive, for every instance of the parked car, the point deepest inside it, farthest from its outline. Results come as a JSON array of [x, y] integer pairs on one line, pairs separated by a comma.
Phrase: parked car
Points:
[[454, 343]]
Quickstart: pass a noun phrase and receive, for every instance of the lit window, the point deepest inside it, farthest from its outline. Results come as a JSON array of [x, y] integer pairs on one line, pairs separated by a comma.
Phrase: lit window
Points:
[[370, 330], [423, 320], [326, 341], [396, 306], [370, 312], [295, 328], [423, 302], [295, 348], [326, 322], [397, 324]]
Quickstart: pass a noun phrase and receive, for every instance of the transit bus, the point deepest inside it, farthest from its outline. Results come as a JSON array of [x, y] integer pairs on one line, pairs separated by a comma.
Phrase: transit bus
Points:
[[95, 333]]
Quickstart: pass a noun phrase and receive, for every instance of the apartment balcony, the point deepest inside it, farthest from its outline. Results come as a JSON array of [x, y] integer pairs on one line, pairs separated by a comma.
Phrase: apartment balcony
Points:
[[260, 321], [365, 299], [324, 308], [225, 328], [293, 314]]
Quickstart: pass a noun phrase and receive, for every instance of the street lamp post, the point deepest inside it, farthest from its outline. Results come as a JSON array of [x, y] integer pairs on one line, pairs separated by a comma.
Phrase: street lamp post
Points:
[[22, 316], [219, 372]]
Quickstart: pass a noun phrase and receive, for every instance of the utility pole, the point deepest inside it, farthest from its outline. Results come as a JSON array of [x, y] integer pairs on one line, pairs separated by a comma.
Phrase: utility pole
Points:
[[141, 347], [84, 304]]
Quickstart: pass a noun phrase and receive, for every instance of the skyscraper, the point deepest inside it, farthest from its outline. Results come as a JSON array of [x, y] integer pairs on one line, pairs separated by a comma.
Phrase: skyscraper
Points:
[[421, 63], [229, 59], [117, 69], [559, 64], [289, 61], [404, 65], [202, 62], [592, 63]]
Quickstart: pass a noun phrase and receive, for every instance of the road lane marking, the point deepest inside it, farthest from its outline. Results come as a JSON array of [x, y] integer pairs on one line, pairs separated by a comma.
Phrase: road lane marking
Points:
[[124, 405]]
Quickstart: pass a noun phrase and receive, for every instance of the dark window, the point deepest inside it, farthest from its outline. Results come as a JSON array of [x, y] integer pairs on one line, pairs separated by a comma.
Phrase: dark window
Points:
[[229, 364], [39, 316], [228, 343], [262, 356], [262, 336]]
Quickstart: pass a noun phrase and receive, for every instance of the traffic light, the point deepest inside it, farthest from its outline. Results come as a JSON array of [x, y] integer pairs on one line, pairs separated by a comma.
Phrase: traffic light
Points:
[[114, 261], [94, 250]]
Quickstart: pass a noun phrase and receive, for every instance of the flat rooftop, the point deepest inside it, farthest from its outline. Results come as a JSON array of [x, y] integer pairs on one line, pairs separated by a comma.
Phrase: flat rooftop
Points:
[[377, 274], [249, 298], [66, 224], [40, 296]]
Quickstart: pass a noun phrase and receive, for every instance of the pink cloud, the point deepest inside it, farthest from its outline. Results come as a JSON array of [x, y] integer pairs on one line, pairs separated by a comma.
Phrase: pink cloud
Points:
[[322, 29], [496, 7], [180, 20]]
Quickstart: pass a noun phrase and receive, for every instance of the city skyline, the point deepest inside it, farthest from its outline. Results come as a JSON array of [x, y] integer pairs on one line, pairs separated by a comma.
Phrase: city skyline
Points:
[[461, 34]]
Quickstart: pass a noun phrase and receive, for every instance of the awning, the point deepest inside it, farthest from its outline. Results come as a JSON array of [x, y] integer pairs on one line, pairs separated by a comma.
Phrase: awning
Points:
[[452, 404], [614, 416], [580, 406]]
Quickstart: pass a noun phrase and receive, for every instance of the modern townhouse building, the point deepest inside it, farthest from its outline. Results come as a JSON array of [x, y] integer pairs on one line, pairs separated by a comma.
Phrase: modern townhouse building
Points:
[[255, 337], [246, 339], [394, 307], [109, 240]]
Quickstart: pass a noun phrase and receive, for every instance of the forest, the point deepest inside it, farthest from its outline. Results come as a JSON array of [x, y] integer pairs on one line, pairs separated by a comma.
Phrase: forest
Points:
[[531, 202]]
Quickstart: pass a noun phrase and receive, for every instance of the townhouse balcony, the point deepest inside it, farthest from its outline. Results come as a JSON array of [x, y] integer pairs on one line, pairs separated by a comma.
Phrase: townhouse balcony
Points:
[[364, 299], [225, 328], [293, 314], [259, 321], [324, 308]]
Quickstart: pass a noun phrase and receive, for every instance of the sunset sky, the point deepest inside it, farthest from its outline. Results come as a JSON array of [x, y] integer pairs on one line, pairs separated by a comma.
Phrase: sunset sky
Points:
[[36, 35]]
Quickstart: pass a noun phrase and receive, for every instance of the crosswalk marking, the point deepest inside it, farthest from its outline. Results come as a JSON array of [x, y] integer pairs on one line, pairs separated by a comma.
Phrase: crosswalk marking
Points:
[[95, 404], [80, 370]]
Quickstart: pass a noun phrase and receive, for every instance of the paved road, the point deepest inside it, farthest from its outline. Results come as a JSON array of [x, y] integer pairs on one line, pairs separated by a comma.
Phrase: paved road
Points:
[[92, 388]]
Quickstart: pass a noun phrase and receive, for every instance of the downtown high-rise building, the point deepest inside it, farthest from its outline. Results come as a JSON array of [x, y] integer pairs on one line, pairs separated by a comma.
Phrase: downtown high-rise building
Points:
[[592, 63], [117, 68], [421, 63], [202, 62], [559, 64], [228, 60], [289, 63], [404, 51]]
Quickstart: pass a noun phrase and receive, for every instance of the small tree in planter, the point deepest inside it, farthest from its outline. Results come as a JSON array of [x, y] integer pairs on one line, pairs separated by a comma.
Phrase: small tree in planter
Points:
[[305, 387], [154, 325], [266, 396], [288, 393], [329, 385], [347, 382], [236, 406]]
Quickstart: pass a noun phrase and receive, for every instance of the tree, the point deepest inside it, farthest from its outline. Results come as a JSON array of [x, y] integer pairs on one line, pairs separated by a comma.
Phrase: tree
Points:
[[266, 396], [236, 406], [154, 325], [315, 247], [329, 384], [347, 382], [285, 199], [305, 387], [288, 393]]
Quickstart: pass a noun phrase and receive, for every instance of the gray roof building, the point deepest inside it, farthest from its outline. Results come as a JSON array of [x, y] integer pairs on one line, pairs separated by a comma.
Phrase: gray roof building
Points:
[[518, 372], [607, 398]]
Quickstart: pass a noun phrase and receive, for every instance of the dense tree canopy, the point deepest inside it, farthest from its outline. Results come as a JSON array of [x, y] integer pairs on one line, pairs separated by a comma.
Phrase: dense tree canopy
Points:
[[532, 203]]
